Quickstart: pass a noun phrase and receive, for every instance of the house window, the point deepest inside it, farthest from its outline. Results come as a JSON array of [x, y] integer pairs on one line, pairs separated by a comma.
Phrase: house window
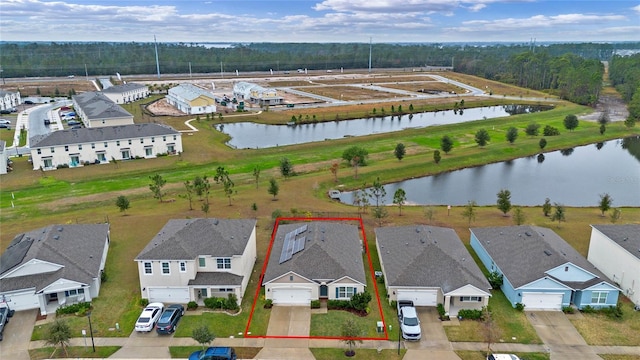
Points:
[[203, 292], [141, 141], [148, 151], [225, 290], [66, 148], [566, 268], [599, 297], [165, 268], [470, 298], [48, 163], [223, 263], [148, 270], [79, 147], [202, 262], [164, 138], [174, 137], [345, 292], [153, 139], [101, 157], [117, 142], [74, 292], [75, 160], [53, 150], [93, 145], [125, 154], [183, 266], [171, 149], [129, 141], [39, 151]]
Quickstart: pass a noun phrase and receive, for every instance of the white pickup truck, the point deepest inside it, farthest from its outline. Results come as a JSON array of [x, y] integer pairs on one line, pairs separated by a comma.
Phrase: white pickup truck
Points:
[[409, 322], [5, 314]]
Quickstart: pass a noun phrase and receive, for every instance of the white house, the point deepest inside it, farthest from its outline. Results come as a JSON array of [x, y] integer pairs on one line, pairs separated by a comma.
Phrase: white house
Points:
[[9, 99], [96, 110], [3, 157], [256, 94], [191, 99], [192, 259], [85, 146], [54, 266], [615, 250], [126, 93]]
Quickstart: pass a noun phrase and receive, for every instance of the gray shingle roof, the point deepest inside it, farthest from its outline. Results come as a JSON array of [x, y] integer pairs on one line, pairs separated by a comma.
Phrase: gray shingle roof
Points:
[[216, 279], [79, 248], [96, 105], [427, 256], [332, 250], [117, 89], [627, 236], [106, 133], [186, 239], [525, 253]]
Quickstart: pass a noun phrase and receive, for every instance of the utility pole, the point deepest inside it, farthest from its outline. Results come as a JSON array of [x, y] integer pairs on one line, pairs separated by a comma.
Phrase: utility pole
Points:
[[189, 69], [86, 73], [221, 71], [369, 54], [157, 61]]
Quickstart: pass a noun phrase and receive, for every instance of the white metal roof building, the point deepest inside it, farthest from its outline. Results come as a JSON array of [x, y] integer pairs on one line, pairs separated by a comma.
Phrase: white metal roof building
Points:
[[191, 99], [256, 94]]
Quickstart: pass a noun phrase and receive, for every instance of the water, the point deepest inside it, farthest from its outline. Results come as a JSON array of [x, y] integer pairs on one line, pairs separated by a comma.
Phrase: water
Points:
[[571, 177], [252, 135]]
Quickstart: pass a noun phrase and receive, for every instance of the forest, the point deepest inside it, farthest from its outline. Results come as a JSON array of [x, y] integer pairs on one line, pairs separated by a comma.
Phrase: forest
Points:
[[624, 73]]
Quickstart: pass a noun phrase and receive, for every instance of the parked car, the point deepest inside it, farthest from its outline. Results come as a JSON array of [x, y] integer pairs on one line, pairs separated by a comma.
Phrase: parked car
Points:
[[214, 353], [5, 314], [409, 322], [28, 102], [169, 319], [76, 127], [502, 357], [47, 121], [4, 126], [5, 121], [73, 122], [149, 317], [3, 111]]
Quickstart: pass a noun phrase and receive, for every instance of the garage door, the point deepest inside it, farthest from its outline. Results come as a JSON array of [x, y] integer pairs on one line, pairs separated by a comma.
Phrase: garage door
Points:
[[289, 296], [542, 301], [169, 295], [22, 301], [419, 297]]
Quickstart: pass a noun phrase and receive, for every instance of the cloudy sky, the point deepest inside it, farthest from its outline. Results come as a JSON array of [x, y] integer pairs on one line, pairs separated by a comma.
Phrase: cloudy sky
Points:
[[320, 20]]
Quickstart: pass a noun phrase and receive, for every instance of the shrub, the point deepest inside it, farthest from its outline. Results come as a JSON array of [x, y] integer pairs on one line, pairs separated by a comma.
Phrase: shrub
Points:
[[588, 309], [268, 304], [567, 310], [338, 304], [144, 302], [550, 131], [79, 309], [231, 303], [470, 314], [214, 303], [360, 301], [441, 311], [520, 306], [315, 304], [192, 305], [495, 279], [613, 312]]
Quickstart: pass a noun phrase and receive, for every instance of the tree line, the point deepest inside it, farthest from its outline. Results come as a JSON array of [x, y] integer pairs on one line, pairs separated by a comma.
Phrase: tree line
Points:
[[624, 73]]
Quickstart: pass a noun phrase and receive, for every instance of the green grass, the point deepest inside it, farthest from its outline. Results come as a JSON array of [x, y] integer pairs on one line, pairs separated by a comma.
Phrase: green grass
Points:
[[221, 324], [598, 329], [184, 351], [480, 355], [102, 352], [361, 354], [330, 324]]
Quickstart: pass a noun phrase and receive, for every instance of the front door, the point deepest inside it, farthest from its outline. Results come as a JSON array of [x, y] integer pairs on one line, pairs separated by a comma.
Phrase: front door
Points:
[[324, 291]]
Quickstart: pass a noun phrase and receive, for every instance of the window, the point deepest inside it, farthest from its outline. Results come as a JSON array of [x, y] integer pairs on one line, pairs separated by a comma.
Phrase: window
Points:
[[129, 141], [101, 157], [39, 151], [79, 147], [148, 151], [174, 137], [48, 163], [117, 142], [125, 154], [75, 160], [66, 148], [165, 268], [599, 297], [202, 262], [106, 144], [203, 292], [223, 263], [93, 145], [171, 149], [225, 290], [183, 266], [141, 141], [74, 292], [345, 292], [153, 139], [470, 298], [147, 268], [164, 138], [53, 150]]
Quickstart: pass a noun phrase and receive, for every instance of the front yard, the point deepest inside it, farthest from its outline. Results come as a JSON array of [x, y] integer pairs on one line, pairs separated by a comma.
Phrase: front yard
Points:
[[598, 329]]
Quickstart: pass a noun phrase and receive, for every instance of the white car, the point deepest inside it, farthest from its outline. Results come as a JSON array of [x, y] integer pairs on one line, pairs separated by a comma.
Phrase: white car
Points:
[[502, 357], [149, 317], [5, 121]]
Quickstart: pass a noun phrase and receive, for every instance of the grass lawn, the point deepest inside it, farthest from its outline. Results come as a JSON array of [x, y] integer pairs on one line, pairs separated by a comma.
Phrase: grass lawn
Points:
[[330, 324], [598, 329], [102, 352], [512, 324], [221, 324], [184, 351], [361, 354], [478, 355]]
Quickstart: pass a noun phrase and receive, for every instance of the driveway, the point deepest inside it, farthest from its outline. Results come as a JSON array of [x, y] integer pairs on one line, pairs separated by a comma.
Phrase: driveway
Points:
[[144, 346], [434, 343], [559, 335], [17, 335], [289, 321]]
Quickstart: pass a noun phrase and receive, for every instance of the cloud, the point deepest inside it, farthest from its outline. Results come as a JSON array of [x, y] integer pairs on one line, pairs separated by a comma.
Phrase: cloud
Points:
[[636, 9], [536, 22]]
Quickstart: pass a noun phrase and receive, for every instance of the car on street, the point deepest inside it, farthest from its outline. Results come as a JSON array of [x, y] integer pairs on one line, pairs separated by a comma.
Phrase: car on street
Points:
[[28, 102], [73, 122], [149, 316], [214, 353], [169, 319], [3, 111], [4, 126], [76, 127], [5, 121]]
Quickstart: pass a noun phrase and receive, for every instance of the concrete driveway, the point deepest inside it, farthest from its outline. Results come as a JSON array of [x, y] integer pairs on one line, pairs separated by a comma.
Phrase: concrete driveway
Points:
[[142, 345], [434, 343], [17, 335], [560, 336], [287, 321]]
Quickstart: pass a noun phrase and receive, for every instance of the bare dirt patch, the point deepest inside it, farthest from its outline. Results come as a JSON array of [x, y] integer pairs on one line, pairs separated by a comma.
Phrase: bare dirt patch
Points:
[[162, 107], [347, 93], [611, 104], [429, 87]]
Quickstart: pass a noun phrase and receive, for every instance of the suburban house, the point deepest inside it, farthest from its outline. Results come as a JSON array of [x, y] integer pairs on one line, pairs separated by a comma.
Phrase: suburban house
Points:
[[126, 93], [314, 260], [615, 250], [191, 99], [256, 94], [4, 158], [540, 270], [9, 99], [429, 265], [54, 266], [96, 110], [192, 259], [86, 146]]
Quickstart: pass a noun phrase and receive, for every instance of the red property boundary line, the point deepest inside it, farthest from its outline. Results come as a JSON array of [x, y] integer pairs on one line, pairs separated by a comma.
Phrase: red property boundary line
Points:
[[264, 268]]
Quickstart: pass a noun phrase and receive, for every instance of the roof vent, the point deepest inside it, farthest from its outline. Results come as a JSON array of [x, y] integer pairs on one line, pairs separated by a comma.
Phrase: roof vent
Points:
[[422, 240], [407, 244], [60, 228], [215, 221], [418, 230], [57, 237], [547, 252], [527, 233]]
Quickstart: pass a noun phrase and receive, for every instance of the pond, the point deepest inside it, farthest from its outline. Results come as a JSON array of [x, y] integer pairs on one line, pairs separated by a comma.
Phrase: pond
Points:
[[252, 135], [573, 177]]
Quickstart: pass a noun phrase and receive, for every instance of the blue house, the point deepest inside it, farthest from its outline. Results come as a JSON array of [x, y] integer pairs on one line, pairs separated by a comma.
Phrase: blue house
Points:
[[540, 270]]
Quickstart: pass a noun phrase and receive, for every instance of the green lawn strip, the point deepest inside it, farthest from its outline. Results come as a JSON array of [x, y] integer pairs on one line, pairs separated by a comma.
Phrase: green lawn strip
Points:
[[183, 352], [221, 324], [481, 355], [361, 354], [101, 352], [608, 331]]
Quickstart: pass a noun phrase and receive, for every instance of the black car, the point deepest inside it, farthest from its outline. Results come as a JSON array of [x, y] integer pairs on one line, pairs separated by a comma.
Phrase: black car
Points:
[[169, 319], [3, 111]]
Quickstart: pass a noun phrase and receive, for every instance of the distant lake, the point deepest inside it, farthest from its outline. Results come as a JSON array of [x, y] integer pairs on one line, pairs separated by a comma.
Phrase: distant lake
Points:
[[252, 135], [573, 177]]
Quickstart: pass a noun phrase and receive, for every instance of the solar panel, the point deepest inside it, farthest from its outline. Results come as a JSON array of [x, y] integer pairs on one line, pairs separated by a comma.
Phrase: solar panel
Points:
[[299, 244], [292, 245]]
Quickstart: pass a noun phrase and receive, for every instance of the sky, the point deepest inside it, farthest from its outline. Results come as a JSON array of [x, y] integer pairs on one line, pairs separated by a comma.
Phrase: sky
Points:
[[344, 21]]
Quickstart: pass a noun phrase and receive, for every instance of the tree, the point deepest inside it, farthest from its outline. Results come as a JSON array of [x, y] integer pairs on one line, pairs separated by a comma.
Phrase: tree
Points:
[[546, 207], [429, 213], [59, 334], [504, 201], [190, 190], [571, 122], [157, 183], [519, 216], [615, 215], [354, 151], [532, 129], [205, 208], [559, 213], [399, 151], [603, 128], [446, 144], [482, 137], [542, 143], [469, 211], [202, 335], [605, 203], [122, 203], [550, 131], [273, 188], [256, 175], [378, 192], [286, 168], [202, 187], [351, 333], [512, 134], [436, 156], [380, 213], [222, 177], [355, 162], [490, 331], [334, 171], [399, 198]]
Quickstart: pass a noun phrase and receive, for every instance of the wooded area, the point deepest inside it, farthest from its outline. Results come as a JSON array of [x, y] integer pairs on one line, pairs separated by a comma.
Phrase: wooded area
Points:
[[624, 73]]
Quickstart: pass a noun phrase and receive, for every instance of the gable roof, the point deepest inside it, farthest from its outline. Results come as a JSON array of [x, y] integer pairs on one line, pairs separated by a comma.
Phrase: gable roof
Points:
[[99, 134], [186, 239], [96, 105], [427, 256], [77, 248], [627, 236], [332, 250], [122, 88], [190, 92], [526, 253]]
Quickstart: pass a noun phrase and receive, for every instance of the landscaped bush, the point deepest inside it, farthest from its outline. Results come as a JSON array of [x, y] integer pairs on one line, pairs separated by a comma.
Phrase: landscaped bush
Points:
[[144, 302], [614, 312], [567, 310], [338, 304], [360, 301], [231, 303], [470, 314], [550, 131], [80, 309], [192, 305], [495, 279], [588, 309], [268, 304], [315, 304], [214, 302], [441, 311], [520, 306]]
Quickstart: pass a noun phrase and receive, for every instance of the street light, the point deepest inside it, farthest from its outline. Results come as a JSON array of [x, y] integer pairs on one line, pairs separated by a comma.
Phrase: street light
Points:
[[91, 331]]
